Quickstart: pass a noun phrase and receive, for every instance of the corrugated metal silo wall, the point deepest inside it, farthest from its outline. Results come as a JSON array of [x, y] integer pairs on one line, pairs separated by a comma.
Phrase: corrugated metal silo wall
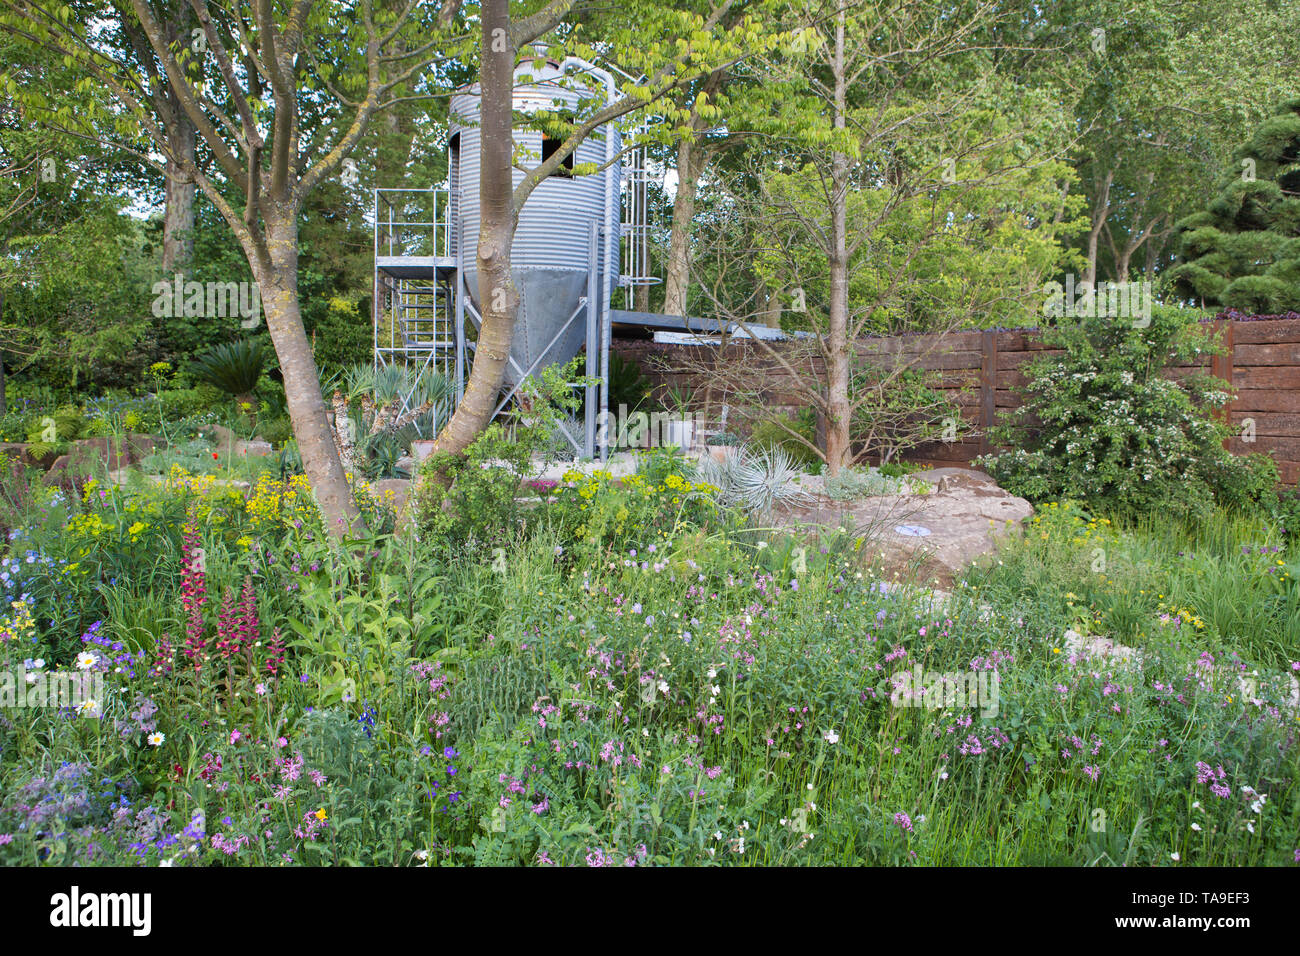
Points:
[[550, 250]]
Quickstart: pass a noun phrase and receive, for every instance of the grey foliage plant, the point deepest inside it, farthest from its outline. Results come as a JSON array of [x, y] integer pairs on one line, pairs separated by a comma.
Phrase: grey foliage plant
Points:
[[754, 480]]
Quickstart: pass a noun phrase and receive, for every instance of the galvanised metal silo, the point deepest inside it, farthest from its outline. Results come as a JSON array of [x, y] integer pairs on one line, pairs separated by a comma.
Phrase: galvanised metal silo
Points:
[[552, 246]]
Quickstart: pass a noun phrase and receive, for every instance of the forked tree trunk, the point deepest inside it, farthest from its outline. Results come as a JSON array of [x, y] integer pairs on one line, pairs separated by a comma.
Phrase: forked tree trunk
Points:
[[1100, 213], [278, 282], [498, 299]]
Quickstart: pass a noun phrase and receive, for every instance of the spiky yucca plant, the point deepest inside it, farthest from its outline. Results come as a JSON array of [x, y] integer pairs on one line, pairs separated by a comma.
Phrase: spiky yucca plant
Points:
[[754, 479]]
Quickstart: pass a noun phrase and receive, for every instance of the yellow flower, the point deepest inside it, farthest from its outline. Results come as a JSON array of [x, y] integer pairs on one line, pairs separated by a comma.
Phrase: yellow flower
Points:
[[320, 814]]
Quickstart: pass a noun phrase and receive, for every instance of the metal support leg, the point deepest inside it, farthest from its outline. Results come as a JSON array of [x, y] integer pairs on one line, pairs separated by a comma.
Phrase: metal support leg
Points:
[[593, 339]]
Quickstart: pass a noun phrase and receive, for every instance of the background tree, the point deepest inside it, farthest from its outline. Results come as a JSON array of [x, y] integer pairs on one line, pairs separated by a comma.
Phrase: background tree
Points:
[[70, 269], [888, 117], [262, 69], [1243, 250], [1162, 93]]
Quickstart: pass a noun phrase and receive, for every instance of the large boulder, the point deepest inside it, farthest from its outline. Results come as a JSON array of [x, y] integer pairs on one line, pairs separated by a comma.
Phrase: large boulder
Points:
[[255, 448], [394, 491], [93, 456], [944, 531], [140, 447], [21, 451], [89, 456]]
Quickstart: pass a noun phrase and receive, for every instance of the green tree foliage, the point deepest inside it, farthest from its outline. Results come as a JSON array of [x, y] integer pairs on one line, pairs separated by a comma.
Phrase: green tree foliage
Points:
[[71, 273], [1243, 250]]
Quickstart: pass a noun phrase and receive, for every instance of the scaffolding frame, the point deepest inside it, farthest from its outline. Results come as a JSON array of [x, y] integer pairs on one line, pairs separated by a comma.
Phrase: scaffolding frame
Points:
[[413, 296]]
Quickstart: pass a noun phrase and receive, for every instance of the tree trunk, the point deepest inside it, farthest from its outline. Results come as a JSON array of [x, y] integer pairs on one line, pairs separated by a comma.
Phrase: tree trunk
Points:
[[771, 303], [677, 281], [837, 450], [498, 299], [178, 211], [4, 406], [1100, 212], [179, 189], [307, 411]]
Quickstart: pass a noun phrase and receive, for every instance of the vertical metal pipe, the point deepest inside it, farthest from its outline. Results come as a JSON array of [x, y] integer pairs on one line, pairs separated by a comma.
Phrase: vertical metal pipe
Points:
[[461, 350], [593, 339], [612, 173]]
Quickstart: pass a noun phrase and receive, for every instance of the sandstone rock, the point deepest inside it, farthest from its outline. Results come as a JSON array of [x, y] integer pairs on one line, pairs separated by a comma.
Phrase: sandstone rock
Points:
[[21, 451], [222, 438], [140, 447], [944, 531], [128, 476], [253, 449], [88, 457], [1102, 647]]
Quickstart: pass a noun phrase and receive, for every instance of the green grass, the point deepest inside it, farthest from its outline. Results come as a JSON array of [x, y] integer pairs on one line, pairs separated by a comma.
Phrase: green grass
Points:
[[709, 701]]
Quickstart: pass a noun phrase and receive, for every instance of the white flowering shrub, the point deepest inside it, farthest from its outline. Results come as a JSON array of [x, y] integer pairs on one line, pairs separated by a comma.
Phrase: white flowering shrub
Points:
[[1104, 423]]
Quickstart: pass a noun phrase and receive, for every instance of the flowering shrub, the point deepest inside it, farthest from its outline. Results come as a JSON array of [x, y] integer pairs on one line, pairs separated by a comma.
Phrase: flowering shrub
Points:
[[1102, 424], [599, 509]]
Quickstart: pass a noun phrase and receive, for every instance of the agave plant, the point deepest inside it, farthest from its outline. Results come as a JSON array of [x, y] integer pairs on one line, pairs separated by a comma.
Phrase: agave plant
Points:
[[391, 406], [381, 391], [556, 446], [754, 479], [234, 368]]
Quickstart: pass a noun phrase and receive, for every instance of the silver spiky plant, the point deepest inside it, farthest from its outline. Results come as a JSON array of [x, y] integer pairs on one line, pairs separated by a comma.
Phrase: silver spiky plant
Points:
[[754, 480]]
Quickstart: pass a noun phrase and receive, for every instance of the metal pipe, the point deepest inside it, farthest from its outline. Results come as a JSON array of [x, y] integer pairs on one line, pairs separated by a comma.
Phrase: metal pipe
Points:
[[590, 418]]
